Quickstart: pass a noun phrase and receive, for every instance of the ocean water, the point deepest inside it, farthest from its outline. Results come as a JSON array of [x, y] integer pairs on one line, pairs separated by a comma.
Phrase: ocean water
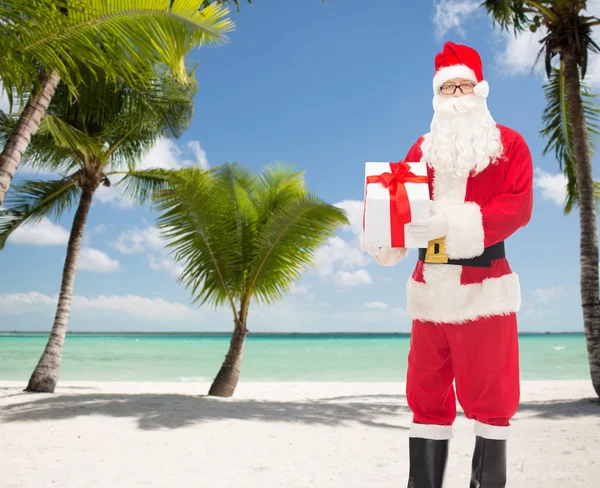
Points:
[[266, 358]]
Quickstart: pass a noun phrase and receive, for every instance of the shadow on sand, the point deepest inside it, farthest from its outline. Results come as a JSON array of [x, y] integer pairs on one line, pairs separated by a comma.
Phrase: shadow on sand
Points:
[[562, 408], [172, 411]]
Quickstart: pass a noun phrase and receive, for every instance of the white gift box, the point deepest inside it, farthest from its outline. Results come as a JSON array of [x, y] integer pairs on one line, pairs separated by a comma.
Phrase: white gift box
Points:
[[377, 223]]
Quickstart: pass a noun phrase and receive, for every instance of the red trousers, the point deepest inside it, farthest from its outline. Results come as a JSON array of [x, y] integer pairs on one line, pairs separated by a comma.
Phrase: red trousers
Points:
[[481, 357]]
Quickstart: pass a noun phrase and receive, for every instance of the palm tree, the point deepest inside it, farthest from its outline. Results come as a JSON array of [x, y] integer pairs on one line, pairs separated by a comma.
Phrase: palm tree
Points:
[[557, 131], [44, 41], [568, 36], [88, 154], [242, 236]]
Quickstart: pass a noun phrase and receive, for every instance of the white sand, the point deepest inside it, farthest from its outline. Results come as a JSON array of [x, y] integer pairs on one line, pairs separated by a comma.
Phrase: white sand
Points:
[[288, 435]]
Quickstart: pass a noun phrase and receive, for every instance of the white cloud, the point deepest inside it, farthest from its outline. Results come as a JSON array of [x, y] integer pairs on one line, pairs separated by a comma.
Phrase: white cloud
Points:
[[133, 312], [137, 306], [148, 241], [139, 240], [451, 14], [299, 289], [340, 259], [142, 307], [112, 196], [338, 253], [520, 53], [165, 263], [289, 315], [352, 278], [553, 186], [94, 260], [166, 154], [545, 295], [14, 303], [376, 306], [354, 212], [199, 154], [43, 233], [536, 313]]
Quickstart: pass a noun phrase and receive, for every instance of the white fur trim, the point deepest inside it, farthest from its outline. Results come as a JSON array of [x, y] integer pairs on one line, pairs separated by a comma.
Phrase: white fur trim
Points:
[[451, 72], [482, 89], [430, 431], [443, 299], [465, 230], [491, 431]]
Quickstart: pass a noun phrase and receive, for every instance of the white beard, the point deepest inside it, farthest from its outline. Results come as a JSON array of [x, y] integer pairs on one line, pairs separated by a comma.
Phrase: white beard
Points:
[[464, 137]]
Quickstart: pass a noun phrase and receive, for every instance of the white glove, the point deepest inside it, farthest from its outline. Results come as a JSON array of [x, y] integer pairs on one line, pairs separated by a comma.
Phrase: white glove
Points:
[[431, 228], [386, 256]]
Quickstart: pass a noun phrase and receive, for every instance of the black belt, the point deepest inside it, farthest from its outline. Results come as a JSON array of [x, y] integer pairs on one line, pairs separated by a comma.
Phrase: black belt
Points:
[[484, 260]]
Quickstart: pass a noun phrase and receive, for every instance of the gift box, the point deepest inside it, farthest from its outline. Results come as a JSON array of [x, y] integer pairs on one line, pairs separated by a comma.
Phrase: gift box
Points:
[[395, 193]]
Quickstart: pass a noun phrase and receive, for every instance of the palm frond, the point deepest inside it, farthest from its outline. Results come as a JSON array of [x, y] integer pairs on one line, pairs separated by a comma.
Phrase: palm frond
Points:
[[119, 37], [196, 221], [33, 200], [139, 186], [238, 187], [112, 123], [507, 13], [287, 242], [240, 235], [42, 153], [163, 99], [557, 129], [206, 3], [68, 137], [276, 186]]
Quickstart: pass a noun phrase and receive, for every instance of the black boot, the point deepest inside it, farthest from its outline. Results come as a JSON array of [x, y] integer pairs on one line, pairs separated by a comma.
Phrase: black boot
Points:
[[427, 462], [489, 464]]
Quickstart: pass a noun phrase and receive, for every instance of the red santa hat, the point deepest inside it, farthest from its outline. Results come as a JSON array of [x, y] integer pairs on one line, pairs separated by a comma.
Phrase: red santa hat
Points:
[[458, 61]]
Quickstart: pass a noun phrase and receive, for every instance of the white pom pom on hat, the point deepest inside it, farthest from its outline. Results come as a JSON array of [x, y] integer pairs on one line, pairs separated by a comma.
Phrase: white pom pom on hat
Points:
[[482, 89], [458, 61]]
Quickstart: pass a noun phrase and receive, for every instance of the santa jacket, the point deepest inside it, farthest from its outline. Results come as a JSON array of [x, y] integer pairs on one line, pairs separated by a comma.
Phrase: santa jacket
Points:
[[482, 210]]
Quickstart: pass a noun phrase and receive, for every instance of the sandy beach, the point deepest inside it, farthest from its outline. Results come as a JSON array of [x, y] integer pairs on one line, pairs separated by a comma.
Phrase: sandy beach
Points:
[[271, 435]]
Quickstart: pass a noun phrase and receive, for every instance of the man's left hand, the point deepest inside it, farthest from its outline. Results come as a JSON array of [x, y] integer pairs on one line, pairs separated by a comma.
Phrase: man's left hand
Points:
[[431, 228]]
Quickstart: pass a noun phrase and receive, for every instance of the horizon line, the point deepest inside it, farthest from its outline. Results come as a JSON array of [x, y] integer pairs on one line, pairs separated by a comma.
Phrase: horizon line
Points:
[[221, 333]]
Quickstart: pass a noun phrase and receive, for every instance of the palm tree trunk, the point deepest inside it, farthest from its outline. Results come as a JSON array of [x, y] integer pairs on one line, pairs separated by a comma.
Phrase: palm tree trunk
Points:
[[589, 279], [28, 124], [227, 378], [45, 375]]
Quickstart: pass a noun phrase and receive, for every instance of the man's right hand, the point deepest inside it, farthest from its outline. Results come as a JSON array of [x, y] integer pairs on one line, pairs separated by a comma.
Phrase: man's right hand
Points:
[[385, 256]]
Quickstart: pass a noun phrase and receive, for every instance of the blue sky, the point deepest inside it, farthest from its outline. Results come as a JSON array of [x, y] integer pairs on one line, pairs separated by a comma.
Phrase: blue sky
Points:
[[323, 88]]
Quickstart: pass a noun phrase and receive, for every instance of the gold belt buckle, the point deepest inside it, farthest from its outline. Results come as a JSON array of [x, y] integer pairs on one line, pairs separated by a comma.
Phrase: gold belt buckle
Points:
[[436, 252]]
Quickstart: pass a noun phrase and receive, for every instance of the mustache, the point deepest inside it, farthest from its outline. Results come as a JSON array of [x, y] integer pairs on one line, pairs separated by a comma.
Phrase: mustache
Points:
[[456, 105]]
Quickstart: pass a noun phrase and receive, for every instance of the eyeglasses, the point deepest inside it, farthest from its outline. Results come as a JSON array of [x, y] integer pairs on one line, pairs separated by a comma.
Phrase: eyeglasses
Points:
[[465, 88]]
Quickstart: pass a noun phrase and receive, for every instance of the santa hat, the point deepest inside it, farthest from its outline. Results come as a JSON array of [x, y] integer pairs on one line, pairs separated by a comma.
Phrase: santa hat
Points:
[[458, 61]]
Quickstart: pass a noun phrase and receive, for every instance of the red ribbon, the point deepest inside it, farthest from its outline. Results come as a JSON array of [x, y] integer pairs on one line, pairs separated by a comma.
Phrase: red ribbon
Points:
[[399, 203]]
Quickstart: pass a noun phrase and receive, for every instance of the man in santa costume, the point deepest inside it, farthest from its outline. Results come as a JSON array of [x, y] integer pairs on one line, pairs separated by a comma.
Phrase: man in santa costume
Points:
[[463, 296]]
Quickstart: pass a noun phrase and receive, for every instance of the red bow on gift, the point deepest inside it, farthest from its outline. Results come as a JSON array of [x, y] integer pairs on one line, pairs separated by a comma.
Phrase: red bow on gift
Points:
[[399, 203]]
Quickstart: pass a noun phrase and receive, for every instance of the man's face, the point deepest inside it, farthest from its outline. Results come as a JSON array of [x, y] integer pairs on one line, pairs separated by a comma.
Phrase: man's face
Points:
[[457, 87]]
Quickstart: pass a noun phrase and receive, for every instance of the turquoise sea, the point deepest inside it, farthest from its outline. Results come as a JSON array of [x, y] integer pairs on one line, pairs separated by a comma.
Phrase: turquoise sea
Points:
[[140, 357]]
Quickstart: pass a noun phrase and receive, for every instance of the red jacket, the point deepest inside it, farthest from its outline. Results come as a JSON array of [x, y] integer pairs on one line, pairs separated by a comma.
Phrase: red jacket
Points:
[[482, 210]]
